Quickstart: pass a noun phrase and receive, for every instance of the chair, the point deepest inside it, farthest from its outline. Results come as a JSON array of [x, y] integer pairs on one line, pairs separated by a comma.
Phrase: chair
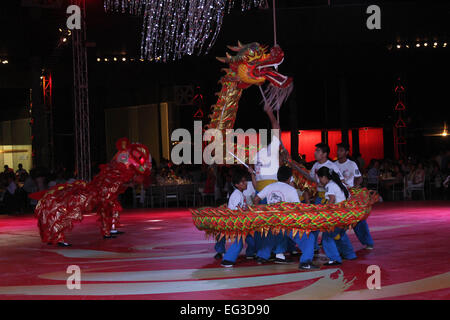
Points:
[[207, 196], [138, 196], [427, 186], [171, 193], [185, 191], [373, 185], [194, 195], [398, 189], [417, 187], [154, 193]]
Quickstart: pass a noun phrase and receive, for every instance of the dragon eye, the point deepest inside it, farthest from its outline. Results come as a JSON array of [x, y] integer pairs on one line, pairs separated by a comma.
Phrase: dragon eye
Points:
[[141, 160]]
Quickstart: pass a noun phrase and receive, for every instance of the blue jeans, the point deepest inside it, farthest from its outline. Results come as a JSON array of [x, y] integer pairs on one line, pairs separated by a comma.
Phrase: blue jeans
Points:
[[363, 234], [272, 243], [306, 245], [236, 247], [220, 245], [334, 248]]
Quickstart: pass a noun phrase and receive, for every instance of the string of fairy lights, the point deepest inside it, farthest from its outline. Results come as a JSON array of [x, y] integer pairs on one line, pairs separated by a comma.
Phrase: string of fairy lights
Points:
[[172, 29], [424, 44]]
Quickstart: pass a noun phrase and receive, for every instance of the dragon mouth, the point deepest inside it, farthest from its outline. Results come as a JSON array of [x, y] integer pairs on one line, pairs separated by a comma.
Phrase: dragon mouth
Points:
[[276, 78]]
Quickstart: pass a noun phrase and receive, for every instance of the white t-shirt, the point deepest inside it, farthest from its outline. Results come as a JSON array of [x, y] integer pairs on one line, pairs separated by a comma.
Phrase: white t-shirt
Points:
[[237, 200], [267, 161], [279, 192], [349, 170], [333, 189], [329, 165]]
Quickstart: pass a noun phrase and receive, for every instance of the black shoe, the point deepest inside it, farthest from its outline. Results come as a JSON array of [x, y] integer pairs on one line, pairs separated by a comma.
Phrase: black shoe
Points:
[[117, 232], [227, 264], [109, 237], [218, 256], [253, 257], [64, 244], [283, 261], [308, 266], [262, 261], [332, 263], [295, 253], [272, 257]]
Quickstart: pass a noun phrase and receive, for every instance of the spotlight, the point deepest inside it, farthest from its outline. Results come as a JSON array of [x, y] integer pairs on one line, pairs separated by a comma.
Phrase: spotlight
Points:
[[5, 61], [98, 59], [399, 46], [407, 46], [435, 44], [124, 59], [425, 44], [142, 60], [444, 133], [106, 59], [60, 30], [115, 59], [417, 45], [64, 39], [445, 44]]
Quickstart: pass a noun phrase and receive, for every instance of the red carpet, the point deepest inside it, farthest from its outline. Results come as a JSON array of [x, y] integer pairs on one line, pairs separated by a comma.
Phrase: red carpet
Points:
[[163, 256]]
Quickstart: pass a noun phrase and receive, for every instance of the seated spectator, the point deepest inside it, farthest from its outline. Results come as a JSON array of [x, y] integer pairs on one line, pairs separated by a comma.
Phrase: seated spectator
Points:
[[388, 185], [29, 186], [415, 179], [9, 198], [373, 173], [7, 169], [21, 173]]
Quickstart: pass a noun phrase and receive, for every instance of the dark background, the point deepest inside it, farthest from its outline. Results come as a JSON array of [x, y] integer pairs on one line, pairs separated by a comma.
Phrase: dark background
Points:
[[336, 63]]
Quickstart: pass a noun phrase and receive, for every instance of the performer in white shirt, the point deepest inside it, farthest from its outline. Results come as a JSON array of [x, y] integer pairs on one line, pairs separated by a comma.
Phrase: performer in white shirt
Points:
[[335, 243], [267, 159], [321, 155], [348, 168], [237, 201], [282, 191], [352, 176]]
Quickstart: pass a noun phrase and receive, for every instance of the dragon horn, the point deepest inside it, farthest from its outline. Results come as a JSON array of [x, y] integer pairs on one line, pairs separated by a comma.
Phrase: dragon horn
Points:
[[236, 49], [222, 59], [240, 45], [228, 56]]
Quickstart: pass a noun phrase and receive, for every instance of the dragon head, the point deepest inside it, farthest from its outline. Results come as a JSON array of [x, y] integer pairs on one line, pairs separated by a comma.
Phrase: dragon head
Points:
[[134, 155], [254, 64]]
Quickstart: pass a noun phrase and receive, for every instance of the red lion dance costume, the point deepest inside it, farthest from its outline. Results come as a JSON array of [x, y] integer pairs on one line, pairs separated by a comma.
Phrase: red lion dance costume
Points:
[[66, 203]]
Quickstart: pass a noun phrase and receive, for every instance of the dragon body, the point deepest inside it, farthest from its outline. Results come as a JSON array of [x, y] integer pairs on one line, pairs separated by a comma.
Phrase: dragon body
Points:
[[284, 217]]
